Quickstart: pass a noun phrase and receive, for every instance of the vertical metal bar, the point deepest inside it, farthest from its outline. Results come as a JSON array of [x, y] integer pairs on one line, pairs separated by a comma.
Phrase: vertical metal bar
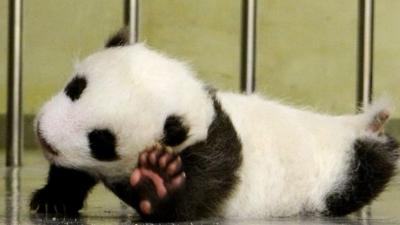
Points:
[[365, 52], [248, 48], [131, 19], [14, 99], [12, 194], [365, 66]]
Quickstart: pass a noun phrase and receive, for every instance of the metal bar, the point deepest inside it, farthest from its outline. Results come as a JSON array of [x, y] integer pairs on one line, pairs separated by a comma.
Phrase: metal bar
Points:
[[14, 97], [248, 48], [131, 19], [12, 196], [365, 52], [365, 65]]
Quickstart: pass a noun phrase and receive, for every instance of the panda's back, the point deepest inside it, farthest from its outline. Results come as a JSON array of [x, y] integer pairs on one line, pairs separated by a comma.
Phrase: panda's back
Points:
[[291, 158]]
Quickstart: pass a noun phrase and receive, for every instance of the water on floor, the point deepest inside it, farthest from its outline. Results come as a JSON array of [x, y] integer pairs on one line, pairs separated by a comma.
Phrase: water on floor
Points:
[[102, 207]]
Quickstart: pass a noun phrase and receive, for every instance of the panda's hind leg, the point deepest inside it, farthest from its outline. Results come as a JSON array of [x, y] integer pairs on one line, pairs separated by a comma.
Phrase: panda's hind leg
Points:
[[158, 176], [376, 125]]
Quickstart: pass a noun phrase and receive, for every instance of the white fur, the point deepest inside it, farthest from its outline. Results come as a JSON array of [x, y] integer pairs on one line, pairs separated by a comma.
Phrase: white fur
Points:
[[291, 158]]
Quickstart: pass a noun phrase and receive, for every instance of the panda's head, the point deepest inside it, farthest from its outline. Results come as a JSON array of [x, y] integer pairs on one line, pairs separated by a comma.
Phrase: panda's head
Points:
[[118, 102]]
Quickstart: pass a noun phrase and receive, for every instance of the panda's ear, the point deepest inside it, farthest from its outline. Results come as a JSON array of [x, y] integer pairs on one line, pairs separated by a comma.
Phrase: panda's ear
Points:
[[121, 38]]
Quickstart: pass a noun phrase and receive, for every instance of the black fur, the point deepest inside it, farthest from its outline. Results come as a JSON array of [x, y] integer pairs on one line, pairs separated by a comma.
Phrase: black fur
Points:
[[372, 167], [102, 144], [121, 38], [175, 132], [75, 87], [64, 193], [210, 168]]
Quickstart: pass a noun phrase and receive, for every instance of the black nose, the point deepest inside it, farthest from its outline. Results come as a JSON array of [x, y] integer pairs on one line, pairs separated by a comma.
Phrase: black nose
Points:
[[46, 146], [102, 145]]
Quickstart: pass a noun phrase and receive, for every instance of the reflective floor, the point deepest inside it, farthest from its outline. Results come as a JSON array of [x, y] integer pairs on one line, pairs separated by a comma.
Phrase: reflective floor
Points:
[[103, 208]]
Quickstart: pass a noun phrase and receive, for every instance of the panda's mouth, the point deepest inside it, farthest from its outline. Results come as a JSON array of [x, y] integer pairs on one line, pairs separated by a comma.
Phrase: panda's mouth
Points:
[[46, 146]]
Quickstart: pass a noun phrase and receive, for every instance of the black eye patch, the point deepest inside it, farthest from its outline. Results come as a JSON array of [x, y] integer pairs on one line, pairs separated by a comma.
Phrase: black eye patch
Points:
[[102, 144], [75, 87], [175, 132]]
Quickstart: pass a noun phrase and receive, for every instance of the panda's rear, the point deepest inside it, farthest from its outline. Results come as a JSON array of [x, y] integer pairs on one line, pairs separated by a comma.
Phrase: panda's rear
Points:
[[297, 161], [372, 166]]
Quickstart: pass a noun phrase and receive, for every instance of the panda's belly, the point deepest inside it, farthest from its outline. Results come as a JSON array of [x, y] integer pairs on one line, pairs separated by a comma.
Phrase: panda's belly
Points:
[[291, 159]]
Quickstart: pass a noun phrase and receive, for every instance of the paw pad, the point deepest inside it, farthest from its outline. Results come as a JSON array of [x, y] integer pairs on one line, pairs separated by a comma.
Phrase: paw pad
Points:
[[378, 122], [161, 169]]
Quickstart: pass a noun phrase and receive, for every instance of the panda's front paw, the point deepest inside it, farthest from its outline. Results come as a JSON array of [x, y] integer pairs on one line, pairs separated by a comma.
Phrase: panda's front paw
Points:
[[47, 201], [157, 179]]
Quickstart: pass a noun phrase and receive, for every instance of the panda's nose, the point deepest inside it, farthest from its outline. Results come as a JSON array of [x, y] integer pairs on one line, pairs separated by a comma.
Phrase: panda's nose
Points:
[[43, 142]]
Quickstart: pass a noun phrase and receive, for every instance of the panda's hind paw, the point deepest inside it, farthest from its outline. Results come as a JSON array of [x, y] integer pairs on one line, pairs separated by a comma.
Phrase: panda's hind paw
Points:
[[158, 175], [378, 122]]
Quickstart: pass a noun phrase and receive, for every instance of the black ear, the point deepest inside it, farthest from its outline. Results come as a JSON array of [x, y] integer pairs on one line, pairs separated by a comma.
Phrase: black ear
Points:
[[121, 38]]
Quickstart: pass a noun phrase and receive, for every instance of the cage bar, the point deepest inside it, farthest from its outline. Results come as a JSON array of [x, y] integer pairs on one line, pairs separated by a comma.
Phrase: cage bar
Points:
[[14, 95], [365, 52], [13, 195], [131, 19], [365, 64], [248, 46]]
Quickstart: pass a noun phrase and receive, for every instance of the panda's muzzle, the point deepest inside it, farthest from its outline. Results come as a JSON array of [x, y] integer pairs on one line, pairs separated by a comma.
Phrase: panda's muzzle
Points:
[[46, 146]]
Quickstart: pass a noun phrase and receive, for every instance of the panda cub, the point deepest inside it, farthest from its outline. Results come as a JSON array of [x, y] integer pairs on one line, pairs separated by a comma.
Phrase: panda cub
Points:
[[174, 149]]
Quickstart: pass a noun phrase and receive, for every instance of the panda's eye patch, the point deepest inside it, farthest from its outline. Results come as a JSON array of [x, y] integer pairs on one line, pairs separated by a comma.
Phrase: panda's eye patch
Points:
[[75, 87], [102, 145], [175, 132]]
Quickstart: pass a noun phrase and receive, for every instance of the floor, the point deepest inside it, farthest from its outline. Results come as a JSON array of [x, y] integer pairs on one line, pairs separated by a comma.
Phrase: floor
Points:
[[103, 208]]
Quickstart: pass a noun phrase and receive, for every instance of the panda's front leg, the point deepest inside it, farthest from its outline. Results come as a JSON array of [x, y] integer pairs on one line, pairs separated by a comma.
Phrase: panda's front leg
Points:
[[158, 181], [64, 193]]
